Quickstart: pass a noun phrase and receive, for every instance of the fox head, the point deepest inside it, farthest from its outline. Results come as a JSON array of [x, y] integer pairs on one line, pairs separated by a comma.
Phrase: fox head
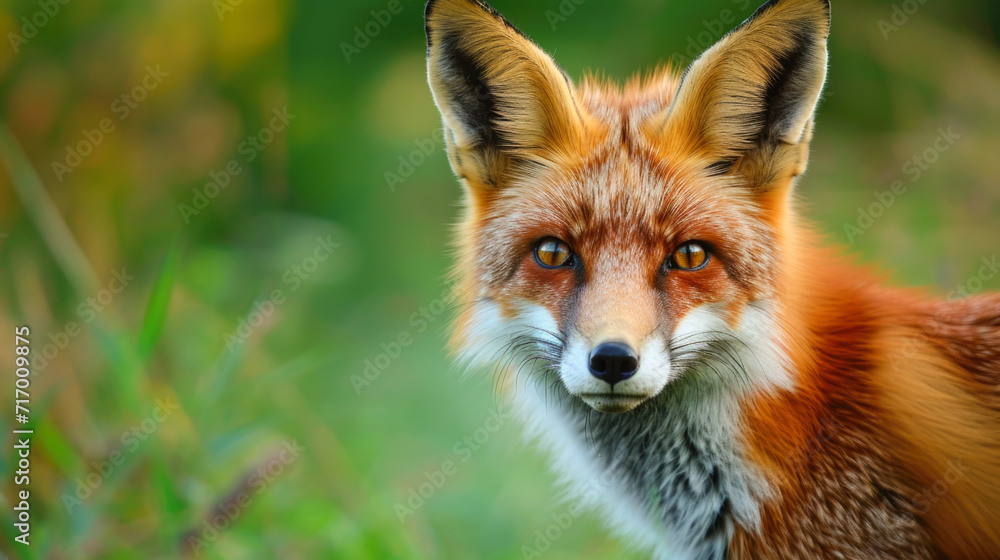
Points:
[[625, 238]]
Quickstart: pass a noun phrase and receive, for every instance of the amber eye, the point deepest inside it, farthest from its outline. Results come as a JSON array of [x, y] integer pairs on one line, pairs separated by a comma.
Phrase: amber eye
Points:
[[689, 256], [552, 253]]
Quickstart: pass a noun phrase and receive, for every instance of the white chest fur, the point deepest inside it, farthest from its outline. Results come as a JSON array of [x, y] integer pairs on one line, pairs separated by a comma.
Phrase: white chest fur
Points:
[[668, 476]]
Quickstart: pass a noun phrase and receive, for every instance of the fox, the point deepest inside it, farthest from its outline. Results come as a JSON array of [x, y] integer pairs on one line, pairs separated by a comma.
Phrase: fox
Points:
[[705, 371]]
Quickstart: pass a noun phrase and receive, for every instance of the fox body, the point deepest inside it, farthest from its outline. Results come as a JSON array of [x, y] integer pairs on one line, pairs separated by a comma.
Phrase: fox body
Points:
[[705, 373]]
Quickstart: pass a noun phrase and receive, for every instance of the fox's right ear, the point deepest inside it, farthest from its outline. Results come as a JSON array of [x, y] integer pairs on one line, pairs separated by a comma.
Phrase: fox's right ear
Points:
[[504, 101], [746, 105]]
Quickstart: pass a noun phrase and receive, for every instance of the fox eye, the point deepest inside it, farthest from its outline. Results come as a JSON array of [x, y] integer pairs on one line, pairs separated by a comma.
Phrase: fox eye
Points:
[[689, 256], [553, 253]]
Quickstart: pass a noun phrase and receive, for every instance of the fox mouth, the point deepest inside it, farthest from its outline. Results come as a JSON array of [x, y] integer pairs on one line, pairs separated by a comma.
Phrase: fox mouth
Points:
[[612, 402]]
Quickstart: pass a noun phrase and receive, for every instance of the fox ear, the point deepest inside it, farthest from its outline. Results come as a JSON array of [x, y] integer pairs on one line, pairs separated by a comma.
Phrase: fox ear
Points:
[[504, 101], [746, 105]]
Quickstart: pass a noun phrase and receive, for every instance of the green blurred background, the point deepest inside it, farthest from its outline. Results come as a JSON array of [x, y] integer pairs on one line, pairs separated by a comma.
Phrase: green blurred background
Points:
[[241, 374]]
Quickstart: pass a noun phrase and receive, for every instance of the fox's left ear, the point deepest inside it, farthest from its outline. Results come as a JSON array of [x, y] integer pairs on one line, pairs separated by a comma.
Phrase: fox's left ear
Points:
[[746, 105], [504, 101]]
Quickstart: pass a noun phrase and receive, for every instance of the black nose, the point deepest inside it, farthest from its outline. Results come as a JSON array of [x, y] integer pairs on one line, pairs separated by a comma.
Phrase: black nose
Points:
[[613, 362]]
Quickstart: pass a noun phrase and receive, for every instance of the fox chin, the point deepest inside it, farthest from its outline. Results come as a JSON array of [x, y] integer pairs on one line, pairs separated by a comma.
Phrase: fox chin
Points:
[[705, 373]]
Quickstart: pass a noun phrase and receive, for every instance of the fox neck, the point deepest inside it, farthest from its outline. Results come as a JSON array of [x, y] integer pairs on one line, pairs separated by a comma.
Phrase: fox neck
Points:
[[669, 474]]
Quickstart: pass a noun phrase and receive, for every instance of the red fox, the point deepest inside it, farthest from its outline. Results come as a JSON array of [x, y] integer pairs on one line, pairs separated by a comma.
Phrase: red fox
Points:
[[704, 372]]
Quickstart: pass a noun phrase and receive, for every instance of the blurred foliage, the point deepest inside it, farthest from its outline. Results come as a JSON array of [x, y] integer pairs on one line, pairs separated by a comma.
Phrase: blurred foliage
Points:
[[201, 323]]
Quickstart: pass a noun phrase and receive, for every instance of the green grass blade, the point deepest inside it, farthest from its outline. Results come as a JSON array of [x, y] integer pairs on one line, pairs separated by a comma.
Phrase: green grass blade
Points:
[[45, 215], [159, 303]]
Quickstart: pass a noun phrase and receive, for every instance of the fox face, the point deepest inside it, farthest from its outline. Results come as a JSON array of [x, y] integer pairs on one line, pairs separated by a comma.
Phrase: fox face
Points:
[[622, 239], [623, 272]]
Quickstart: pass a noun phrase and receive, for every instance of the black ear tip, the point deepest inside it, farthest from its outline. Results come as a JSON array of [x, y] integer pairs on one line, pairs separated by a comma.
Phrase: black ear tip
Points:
[[829, 17], [481, 4], [826, 6], [428, 8], [772, 3]]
